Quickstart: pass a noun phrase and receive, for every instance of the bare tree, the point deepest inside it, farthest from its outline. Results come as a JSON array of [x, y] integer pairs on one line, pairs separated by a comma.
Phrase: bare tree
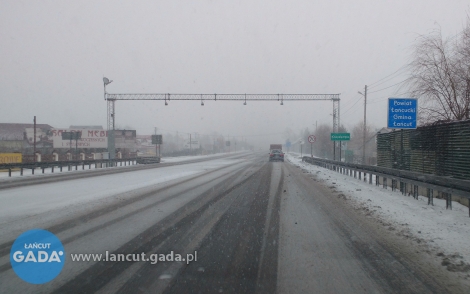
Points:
[[356, 143], [323, 146], [440, 76], [463, 66]]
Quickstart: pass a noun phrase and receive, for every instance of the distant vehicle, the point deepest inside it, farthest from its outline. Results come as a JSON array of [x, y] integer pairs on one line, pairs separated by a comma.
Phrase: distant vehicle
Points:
[[276, 155], [275, 146]]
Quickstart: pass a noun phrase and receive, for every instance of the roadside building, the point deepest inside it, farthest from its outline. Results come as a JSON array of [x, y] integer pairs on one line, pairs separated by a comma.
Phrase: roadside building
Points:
[[49, 146]]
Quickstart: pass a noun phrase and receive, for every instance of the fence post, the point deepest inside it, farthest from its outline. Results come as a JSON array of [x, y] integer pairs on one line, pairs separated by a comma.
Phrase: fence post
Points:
[[448, 200], [429, 193]]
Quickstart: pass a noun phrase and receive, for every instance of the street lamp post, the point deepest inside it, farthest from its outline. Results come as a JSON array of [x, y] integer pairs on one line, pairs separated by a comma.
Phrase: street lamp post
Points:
[[364, 127], [111, 120]]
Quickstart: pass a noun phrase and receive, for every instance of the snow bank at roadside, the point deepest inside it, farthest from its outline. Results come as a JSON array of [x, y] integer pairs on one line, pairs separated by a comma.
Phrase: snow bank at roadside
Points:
[[446, 232]]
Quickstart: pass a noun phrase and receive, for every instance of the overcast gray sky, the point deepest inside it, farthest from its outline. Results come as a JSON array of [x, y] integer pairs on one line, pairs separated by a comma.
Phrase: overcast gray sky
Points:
[[53, 56]]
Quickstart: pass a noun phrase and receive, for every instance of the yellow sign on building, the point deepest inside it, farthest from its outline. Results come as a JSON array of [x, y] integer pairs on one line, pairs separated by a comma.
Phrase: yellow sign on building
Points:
[[10, 158]]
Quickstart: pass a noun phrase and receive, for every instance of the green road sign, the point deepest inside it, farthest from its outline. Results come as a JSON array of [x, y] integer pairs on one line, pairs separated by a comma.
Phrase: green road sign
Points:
[[340, 136], [71, 135], [157, 139]]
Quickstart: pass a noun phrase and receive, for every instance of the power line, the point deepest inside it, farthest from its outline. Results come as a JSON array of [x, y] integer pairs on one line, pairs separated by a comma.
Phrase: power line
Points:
[[388, 77], [371, 85], [389, 86], [401, 68], [386, 80], [360, 98], [350, 102]]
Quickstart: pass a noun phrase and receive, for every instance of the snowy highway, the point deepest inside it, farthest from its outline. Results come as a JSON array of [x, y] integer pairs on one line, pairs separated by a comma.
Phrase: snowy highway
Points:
[[249, 226]]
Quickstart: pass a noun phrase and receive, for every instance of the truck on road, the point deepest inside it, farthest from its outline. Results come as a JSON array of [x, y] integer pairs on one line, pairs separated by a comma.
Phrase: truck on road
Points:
[[275, 146]]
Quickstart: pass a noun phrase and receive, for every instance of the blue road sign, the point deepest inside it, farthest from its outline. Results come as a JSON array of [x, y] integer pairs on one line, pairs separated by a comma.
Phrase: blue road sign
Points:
[[402, 113], [288, 143]]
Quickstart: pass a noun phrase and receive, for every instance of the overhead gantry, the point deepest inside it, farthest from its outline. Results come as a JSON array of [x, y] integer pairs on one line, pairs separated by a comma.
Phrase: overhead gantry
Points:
[[167, 97]]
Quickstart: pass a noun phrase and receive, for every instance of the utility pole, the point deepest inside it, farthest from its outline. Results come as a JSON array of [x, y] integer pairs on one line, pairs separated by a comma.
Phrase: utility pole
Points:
[[364, 130], [34, 142]]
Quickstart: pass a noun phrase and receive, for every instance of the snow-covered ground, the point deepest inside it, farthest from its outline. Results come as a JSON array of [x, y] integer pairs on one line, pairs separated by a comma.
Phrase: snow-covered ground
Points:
[[31, 200], [38, 171], [446, 232]]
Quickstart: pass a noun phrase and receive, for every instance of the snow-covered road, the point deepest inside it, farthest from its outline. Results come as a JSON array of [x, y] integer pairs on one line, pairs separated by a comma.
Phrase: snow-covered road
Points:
[[445, 233], [257, 226]]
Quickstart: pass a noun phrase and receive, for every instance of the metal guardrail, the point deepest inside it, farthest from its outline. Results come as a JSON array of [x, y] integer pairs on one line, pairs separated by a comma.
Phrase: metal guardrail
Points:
[[148, 160], [99, 163], [446, 185]]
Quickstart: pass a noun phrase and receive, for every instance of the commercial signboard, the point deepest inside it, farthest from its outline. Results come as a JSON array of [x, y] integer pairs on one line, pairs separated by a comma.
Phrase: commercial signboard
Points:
[[125, 139], [144, 145], [90, 138], [10, 158], [402, 113], [340, 136], [95, 138]]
